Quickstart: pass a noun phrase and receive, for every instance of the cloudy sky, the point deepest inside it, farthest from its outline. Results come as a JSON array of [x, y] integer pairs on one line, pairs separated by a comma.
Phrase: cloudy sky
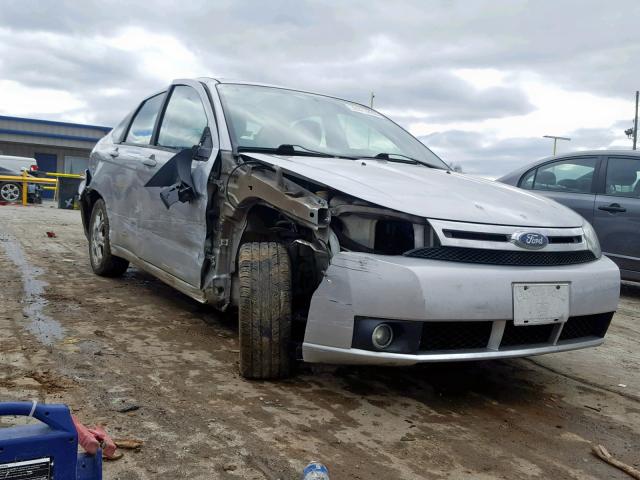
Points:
[[478, 81]]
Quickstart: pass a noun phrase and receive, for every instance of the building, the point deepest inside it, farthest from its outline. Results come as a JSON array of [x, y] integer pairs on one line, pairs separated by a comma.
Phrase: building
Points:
[[57, 146]]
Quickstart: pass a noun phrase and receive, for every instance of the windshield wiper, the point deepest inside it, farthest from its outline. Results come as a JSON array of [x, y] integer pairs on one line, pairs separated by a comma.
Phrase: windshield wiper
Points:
[[404, 159], [292, 150]]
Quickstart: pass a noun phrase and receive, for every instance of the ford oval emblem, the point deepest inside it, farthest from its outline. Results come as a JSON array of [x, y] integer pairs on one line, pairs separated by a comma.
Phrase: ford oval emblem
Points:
[[530, 240]]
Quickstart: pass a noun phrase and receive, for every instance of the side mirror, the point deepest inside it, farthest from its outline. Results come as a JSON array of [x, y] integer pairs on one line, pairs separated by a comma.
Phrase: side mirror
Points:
[[202, 151]]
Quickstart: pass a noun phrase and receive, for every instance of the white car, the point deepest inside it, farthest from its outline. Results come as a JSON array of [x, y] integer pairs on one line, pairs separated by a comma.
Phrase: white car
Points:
[[336, 234], [18, 164], [11, 191]]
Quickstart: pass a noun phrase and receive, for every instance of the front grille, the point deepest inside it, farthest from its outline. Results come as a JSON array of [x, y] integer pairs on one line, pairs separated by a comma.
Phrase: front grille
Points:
[[455, 335], [502, 257], [503, 237], [573, 239], [586, 326], [525, 334], [480, 236]]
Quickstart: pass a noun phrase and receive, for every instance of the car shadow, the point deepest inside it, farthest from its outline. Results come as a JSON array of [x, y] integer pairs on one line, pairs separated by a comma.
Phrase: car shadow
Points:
[[446, 385], [452, 384], [630, 289]]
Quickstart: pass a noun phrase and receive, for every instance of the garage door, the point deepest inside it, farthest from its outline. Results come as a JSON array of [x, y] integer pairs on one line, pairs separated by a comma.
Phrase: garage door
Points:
[[75, 164]]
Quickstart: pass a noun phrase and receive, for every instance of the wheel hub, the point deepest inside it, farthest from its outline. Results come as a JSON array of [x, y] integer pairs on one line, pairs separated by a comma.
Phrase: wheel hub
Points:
[[98, 235], [9, 192]]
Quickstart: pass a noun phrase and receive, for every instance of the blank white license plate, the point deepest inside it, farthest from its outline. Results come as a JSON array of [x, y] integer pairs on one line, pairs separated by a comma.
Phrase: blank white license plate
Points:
[[540, 303]]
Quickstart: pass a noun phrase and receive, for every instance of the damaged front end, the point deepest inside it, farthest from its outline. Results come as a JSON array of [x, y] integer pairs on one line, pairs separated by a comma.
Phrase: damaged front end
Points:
[[256, 201]]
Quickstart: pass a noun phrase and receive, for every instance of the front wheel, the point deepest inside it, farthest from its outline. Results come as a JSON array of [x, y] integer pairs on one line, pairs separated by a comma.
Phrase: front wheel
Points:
[[10, 192], [265, 310], [103, 262]]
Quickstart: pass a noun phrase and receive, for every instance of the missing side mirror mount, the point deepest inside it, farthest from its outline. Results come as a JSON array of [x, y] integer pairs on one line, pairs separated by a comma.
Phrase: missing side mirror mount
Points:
[[175, 175], [202, 151], [176, 193]]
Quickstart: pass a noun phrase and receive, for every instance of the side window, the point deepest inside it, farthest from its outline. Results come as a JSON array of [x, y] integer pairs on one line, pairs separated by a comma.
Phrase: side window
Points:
[[184, 119], [623, 177], [118, 132], [572, 175], [141, 128], [526, 182]]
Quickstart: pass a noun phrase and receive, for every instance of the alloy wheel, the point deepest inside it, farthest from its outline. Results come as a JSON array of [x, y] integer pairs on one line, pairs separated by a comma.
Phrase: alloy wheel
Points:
[[10, 192]]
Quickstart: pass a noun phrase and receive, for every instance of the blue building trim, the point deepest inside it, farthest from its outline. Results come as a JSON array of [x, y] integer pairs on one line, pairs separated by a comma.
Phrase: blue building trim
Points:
[[77, 138], [58, 124]]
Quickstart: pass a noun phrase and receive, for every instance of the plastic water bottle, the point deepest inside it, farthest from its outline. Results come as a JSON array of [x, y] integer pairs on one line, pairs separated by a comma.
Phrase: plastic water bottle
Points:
[[315, 471]]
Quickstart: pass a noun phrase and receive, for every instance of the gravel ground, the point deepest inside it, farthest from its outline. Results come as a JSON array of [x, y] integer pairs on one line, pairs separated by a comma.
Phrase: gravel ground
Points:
[[101, 345]]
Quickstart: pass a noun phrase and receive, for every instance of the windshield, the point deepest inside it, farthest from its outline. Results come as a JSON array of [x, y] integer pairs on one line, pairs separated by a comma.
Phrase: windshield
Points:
[[267, 117]]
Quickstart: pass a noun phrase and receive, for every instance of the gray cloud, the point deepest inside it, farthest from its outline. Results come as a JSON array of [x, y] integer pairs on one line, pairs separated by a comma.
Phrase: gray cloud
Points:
[[404, 51], [477, 154]]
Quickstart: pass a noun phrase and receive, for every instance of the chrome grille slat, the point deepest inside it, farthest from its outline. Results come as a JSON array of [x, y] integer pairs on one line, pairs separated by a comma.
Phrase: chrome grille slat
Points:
[[498, 237]]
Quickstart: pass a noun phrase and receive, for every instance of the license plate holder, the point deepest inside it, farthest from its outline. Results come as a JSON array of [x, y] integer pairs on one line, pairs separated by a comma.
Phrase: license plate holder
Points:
[[540, 303]]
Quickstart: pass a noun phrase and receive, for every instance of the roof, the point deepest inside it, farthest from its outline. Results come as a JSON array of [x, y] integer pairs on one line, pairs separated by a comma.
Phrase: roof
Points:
[[582, 153], [14, 157], [55, 123], [577, 153]]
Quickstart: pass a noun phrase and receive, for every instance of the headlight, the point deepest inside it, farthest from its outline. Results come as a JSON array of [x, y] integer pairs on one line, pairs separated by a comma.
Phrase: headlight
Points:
[[592, 239]]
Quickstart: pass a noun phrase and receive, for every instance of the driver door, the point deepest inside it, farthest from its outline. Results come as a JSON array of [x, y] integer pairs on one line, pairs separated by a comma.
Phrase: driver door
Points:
[[173, 239]]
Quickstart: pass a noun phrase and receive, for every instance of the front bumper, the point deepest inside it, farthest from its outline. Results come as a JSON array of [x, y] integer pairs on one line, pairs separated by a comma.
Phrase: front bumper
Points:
[[449, 298]]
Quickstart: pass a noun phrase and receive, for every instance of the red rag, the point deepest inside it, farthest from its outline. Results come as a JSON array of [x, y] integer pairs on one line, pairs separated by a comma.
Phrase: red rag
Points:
[[91, 439]]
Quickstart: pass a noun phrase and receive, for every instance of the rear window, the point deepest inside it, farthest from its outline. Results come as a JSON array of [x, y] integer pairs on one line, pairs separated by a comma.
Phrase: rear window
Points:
[[144, 122]]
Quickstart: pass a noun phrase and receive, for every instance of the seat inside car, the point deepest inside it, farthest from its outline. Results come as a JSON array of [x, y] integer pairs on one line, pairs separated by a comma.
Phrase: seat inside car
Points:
[[624, 176], [545, 177]]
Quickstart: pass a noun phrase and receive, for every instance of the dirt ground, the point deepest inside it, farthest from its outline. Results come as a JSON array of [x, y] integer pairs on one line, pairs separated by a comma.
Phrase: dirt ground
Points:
[[107, 345]]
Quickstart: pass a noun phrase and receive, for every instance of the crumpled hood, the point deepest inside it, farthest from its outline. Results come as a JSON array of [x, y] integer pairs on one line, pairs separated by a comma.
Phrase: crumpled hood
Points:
[[428, 192]]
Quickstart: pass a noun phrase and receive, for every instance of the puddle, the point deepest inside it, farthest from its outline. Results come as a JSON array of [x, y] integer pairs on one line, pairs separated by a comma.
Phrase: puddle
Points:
[[46, 329]]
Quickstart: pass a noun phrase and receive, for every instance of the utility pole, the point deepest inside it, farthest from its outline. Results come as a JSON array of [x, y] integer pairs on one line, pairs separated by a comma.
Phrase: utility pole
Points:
[[555, 141], [373, 96], [635, 123]]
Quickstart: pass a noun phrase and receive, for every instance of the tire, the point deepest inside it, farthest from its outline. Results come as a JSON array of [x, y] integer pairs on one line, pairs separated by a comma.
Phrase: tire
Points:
[[265, 310], [102, 261], [10, 192]]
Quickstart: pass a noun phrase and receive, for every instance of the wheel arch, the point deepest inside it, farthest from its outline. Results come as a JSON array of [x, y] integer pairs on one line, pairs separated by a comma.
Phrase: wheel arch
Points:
[[88, 199]]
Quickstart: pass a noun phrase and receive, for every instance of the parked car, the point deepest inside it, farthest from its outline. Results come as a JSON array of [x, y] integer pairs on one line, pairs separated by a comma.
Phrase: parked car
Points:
[[336, 234], [604, 187], [18, 164], [11, 191]]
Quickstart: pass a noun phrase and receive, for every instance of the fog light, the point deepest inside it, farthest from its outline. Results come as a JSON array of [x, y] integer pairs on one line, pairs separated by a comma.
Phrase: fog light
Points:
[[382, 336]]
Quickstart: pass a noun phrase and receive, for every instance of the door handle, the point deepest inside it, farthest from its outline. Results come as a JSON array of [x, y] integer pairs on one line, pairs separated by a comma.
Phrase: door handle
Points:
[[114, 152], [150, 161], [613, 208]]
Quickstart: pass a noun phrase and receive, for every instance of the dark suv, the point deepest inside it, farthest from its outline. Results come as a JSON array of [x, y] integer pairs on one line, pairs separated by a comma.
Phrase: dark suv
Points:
[[604, 187]]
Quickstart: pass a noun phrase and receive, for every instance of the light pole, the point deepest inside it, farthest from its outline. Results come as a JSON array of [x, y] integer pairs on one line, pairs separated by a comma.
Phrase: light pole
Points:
[[371, 100], [555, 141], [635, 123]]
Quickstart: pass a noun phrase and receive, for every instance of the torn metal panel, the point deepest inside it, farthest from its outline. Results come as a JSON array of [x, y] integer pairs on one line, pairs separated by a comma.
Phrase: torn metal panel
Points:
[[175, 177], [270, 187]]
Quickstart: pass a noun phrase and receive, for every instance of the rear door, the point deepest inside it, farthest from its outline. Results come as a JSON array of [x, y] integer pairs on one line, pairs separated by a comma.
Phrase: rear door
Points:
[[174, 239], [120, 174], [617, 212], [569, 181]]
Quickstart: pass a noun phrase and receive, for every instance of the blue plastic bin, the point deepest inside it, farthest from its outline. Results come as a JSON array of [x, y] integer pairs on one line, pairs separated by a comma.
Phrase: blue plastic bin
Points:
[[45, 451]]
